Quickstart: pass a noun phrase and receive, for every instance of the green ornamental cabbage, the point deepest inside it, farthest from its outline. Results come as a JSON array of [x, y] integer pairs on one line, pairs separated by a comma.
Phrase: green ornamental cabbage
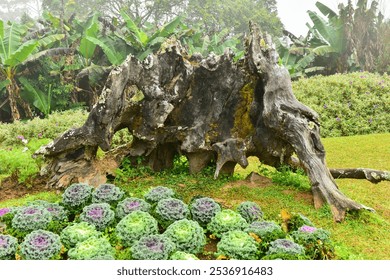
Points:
[[134, 226], [285, 249], [187, 235], [153, 247], [250, 211], [158, 193], [8, 246], [203, 210], [267, 231], [98, 214], [76, 233], [108, 193], [225, 221], [183, 256], [94, 248], [131, 204], [169, 210], [238, 245], [77, 196], [40, 245], [31, 218]]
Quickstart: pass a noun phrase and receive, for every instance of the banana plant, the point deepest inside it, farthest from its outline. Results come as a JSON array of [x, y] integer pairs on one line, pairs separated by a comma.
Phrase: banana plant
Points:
[[14, 52]]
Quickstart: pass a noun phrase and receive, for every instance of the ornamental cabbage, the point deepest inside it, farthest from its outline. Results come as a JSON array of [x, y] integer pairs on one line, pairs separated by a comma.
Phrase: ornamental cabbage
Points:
[[98, 214], [8, 246], [238, 245], [76, 233], [183, 256], [225, 221], [29, 218], [40, 245], [266, 231], [4, 211], [169, 210], [108, 193], [285, 249], [134, 226], [250, 211], [187, 235], [158, 193], [94, 248], [131, 204], [298, 220], [153, 247], [77, 196], [203, 210]]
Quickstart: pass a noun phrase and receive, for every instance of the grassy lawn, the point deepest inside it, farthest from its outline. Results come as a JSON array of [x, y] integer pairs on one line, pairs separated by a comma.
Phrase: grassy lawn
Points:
[[360, 236]]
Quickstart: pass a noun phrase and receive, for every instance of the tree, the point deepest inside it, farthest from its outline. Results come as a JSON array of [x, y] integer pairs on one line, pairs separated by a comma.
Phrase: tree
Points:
[[14, 10]]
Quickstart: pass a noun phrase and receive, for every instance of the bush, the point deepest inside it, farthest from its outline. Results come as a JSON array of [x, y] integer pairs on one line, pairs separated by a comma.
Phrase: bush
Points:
[[285, 249], [238, 245], [29, 218], [250, 211], [348, 104], [182, 256], [40, 245], [187, 235], [8, 246], [134, 226], [131, 204], [94, 248], [76, 196], [153, 247], [76, 233], [225, 221], [108, 193], [203, 210], [169, 210], [98, 214], [158, 193]]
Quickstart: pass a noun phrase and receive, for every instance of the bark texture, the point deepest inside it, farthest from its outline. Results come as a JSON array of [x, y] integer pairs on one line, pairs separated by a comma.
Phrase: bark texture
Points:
[[204, 108]]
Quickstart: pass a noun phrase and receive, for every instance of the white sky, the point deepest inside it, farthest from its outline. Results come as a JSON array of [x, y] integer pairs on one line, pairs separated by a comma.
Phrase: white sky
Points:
[[293, 13]]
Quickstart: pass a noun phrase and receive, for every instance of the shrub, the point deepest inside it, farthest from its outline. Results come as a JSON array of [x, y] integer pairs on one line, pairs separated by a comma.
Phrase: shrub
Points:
[[76, 196], [187, 235], [203, 210], [225, 221], [238, 245], [153, 247], [76, 233], [108, 193], [29, 218], [40, 245], [266, 231], [169, 210], [317, 242], [94, 248], [98, 214], [131, 204], [285, 249], [8, 246], [250, 211], [134, 226], [158, 193], [181, 256]]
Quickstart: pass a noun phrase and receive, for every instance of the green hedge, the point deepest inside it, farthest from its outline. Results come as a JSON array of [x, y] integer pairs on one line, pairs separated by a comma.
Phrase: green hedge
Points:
[[348, 104]]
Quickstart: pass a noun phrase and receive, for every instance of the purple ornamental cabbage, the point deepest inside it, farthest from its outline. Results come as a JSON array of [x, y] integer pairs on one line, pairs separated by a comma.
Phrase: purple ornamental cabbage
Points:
[[31, 218], [131, 204], [40, 245], [169, 210], [250, 211], [4, 211], [77, 196], [285, 249], [8, 246], [158, 193], [153, 247], [203, 210], [98, 214], [108, 193]]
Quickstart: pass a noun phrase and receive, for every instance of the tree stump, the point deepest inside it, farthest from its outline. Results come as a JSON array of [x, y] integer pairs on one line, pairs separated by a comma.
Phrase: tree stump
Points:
[[203, 108]]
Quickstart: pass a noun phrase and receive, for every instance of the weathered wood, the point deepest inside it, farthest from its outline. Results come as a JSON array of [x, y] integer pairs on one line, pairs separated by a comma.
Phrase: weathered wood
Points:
[[204, 108], [374, 176]]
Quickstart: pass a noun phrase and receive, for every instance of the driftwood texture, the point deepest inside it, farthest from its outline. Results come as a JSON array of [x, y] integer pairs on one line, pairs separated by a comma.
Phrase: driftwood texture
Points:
[[204, 108]]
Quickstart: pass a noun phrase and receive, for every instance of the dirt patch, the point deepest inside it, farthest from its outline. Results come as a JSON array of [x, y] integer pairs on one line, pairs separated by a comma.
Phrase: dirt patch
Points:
[[209, 250]]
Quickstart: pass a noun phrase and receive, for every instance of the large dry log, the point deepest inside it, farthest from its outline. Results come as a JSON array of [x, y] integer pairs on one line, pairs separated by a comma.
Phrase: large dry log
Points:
[[205, 108], [372, 175]]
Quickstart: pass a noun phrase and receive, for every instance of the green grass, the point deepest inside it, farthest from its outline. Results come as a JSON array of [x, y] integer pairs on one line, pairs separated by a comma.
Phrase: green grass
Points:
[[360, 236]]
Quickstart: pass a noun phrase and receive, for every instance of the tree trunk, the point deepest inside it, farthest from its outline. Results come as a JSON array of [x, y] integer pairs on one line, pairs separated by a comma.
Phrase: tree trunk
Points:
[[204, 108], [15, 99]]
